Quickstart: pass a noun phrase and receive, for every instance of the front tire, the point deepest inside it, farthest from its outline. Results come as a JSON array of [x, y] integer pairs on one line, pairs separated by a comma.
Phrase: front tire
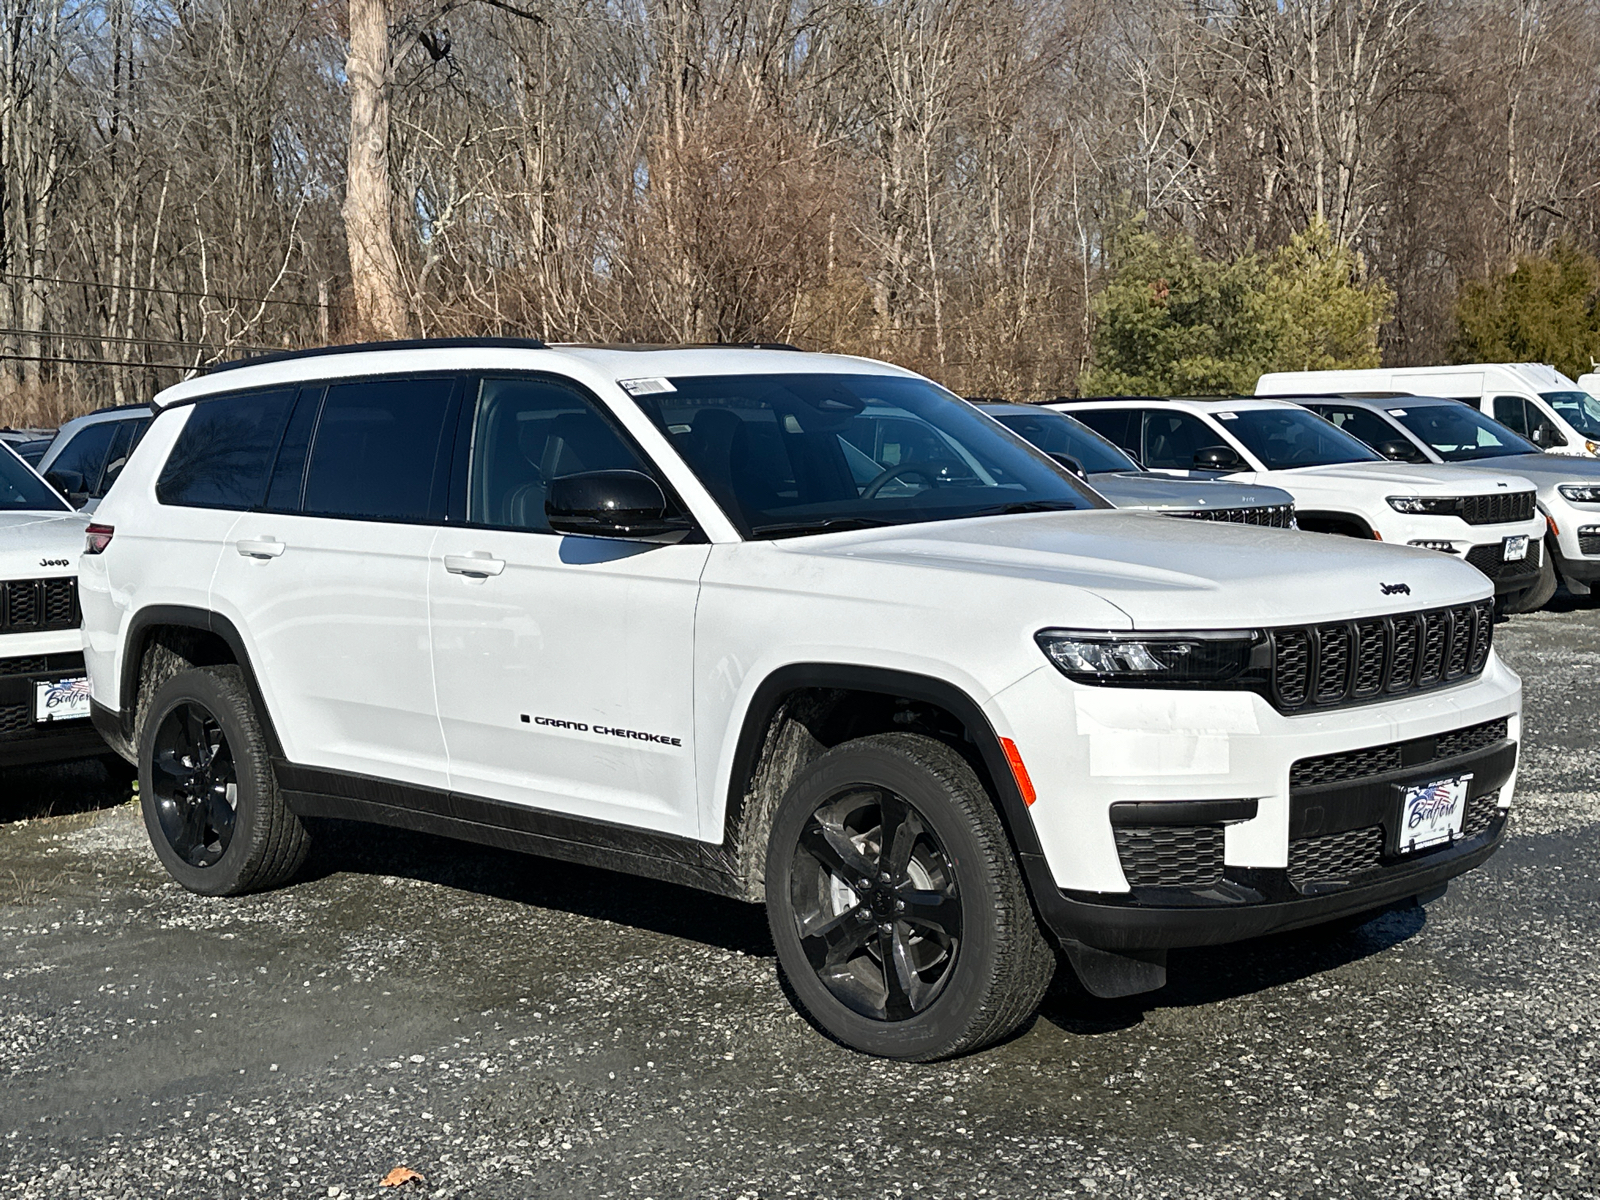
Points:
[[207, 789], [1531, 599], [899, 917]]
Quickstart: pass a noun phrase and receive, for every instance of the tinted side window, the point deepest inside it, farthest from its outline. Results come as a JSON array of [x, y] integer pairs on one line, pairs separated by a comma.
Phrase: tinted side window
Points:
[[529, 432], [1120, 425], [1508, 410], [86, 453], [376, 451], [129, 435], [224, 451], [1171, 438], [1361, 424]]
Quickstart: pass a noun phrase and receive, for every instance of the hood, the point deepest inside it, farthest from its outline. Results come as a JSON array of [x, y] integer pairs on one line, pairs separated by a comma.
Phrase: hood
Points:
[[1166, 574], [1422, 479], [1545, 470], [1146, 489], [29, 539]]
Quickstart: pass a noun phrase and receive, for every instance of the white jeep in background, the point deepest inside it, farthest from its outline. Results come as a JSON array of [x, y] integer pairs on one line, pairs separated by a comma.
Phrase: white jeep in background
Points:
[[44, 693], [796, 628], [1339, 484]]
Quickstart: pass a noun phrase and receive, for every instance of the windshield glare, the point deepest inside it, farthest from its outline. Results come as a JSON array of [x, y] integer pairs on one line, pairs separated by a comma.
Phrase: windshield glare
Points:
[[1284, 438], [1458, 433], [22, 490], [1057, 433], [1578, 409], [792, 454]]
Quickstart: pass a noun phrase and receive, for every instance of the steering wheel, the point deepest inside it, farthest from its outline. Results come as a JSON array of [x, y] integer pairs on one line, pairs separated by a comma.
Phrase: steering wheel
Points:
[[872, 489]]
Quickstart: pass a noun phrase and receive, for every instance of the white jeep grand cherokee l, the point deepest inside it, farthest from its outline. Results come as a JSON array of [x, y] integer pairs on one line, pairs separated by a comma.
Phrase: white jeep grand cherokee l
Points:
[[790, 627]]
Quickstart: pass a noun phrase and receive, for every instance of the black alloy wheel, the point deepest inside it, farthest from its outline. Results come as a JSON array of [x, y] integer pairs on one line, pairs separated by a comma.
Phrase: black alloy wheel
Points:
[[875, 904], [195, 785]]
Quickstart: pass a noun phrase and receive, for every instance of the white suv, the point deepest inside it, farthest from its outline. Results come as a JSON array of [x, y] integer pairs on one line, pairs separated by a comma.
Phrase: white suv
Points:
[[1339, 484], [795, 628]]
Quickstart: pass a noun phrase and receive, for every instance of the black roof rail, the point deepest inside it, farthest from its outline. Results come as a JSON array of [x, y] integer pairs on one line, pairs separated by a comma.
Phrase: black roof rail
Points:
[[1099, 399], [645, 346], [450, 343]]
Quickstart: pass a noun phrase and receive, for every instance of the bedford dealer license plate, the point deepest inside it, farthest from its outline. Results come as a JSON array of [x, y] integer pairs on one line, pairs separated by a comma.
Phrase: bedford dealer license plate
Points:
[[61, 700], [1431, 813], [1516, 548]]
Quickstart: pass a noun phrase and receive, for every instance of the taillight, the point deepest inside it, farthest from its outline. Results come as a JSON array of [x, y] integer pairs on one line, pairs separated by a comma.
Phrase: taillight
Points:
[[96, 538]]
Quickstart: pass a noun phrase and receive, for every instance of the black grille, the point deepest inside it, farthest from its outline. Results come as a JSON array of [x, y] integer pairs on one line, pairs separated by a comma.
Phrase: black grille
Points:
[[15, 718], [1589, 539], [1335, 856], [1275, 516], [1488, 560], [1170, 855], [1379, 760], [1497, 509], [40, 663], [1480, 814], [1349, 662], [32, 604]]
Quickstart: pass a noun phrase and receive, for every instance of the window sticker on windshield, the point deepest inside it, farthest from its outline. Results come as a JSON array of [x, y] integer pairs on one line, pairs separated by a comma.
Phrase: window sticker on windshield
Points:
[[1227, 416], [1397, 412], [645, 387]]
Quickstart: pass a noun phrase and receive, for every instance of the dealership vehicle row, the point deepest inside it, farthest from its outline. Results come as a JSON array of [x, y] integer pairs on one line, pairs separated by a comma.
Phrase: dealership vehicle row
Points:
[[810, 631]]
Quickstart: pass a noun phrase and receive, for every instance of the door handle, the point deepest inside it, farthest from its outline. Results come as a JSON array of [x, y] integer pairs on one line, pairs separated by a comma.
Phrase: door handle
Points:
[[260, 547], [477, 565]]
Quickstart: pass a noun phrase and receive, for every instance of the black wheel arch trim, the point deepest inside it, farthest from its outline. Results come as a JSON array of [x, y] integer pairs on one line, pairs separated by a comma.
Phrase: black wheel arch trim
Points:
[[185, 617]]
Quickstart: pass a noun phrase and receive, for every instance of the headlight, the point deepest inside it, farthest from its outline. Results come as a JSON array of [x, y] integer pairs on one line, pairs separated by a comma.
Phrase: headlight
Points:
[[1581, 493], [1150, 658], [1431, 506], [1592, 447]]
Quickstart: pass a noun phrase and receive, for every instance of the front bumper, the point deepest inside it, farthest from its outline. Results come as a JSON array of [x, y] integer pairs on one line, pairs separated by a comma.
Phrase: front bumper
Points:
[[1249, 902], [23, 741]]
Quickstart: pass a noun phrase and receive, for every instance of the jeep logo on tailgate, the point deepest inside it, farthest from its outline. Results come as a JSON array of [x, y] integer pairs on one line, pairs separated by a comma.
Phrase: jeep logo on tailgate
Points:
[[1389, 589]]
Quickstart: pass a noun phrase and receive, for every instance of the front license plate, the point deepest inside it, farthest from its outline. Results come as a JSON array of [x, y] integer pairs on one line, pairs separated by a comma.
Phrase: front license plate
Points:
[[61, 700], [1515, 548], [1431, 813]]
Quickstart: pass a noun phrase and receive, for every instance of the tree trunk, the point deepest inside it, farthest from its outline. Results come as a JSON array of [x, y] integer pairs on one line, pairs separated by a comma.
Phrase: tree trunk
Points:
[[374, 265]]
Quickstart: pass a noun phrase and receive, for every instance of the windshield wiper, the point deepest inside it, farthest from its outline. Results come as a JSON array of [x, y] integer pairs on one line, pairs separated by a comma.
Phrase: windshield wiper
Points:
[[826, 525], [1024, 506]]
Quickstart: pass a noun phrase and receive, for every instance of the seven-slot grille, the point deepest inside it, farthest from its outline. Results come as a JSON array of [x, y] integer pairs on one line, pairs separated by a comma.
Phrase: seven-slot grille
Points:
[[1589, 539], [1496, 508], [1491, 561], [1351, 662], [27, 605], [1275, 516]]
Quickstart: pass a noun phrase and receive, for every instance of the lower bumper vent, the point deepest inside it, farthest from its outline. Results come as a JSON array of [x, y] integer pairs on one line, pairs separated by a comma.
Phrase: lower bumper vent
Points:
[[1170, 855]]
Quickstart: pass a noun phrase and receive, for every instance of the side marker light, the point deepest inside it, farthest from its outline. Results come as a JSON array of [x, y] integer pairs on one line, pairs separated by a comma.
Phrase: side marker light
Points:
[[1019, 772]]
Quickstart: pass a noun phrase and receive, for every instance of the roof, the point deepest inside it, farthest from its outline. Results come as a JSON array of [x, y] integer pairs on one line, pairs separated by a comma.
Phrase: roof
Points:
[[1187, 403], [594, 365]]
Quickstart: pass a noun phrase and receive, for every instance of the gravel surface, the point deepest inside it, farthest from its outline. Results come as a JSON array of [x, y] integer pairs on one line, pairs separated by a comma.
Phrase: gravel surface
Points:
[[511, 1027]]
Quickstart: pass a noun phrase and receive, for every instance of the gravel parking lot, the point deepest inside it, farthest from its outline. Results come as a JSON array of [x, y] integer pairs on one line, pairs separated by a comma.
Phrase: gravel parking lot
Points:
[[511, 1027]]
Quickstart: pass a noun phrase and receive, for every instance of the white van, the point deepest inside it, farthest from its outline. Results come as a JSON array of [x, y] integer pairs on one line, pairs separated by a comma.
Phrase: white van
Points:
[[1534, 399], [1590, 383]]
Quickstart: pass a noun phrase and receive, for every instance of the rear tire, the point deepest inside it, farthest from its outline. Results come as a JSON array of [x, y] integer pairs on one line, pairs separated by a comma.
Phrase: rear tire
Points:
[[941, 903], [207, 790], [1533, 598]]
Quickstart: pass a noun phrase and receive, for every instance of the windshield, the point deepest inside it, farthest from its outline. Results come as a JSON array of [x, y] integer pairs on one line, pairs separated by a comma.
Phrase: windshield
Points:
[[1285, 438], [1057, 433], [21, 489], [793, 454], [1458, 433], [1578, 409]]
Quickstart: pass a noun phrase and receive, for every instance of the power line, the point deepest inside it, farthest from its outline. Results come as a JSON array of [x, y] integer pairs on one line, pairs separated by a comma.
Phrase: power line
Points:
[[134, 341], [7, 356], [131, 287]]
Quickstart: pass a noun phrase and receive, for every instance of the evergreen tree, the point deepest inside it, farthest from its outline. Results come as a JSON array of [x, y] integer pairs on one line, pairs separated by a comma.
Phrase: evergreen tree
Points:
[[1546, 308]]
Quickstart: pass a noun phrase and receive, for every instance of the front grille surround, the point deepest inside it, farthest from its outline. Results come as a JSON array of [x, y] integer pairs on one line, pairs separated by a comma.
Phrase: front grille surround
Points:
[[1272, 516], [33, 605], [1497, 508]]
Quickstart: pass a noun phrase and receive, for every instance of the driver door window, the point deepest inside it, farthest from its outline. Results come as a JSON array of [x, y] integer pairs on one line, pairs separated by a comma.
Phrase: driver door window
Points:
[[1171, 439], [1510, 412]]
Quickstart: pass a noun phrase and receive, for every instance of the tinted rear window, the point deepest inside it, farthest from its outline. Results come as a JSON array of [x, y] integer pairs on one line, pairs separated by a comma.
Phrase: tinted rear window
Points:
[[377, 454], [224, 451], [20, 488]]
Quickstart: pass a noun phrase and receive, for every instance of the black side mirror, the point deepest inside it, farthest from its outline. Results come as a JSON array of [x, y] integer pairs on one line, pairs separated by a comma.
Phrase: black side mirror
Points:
[[620, 504], [1397, 450], [72, 486], [1218, 458], [1547, 435], [1071, 464]]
